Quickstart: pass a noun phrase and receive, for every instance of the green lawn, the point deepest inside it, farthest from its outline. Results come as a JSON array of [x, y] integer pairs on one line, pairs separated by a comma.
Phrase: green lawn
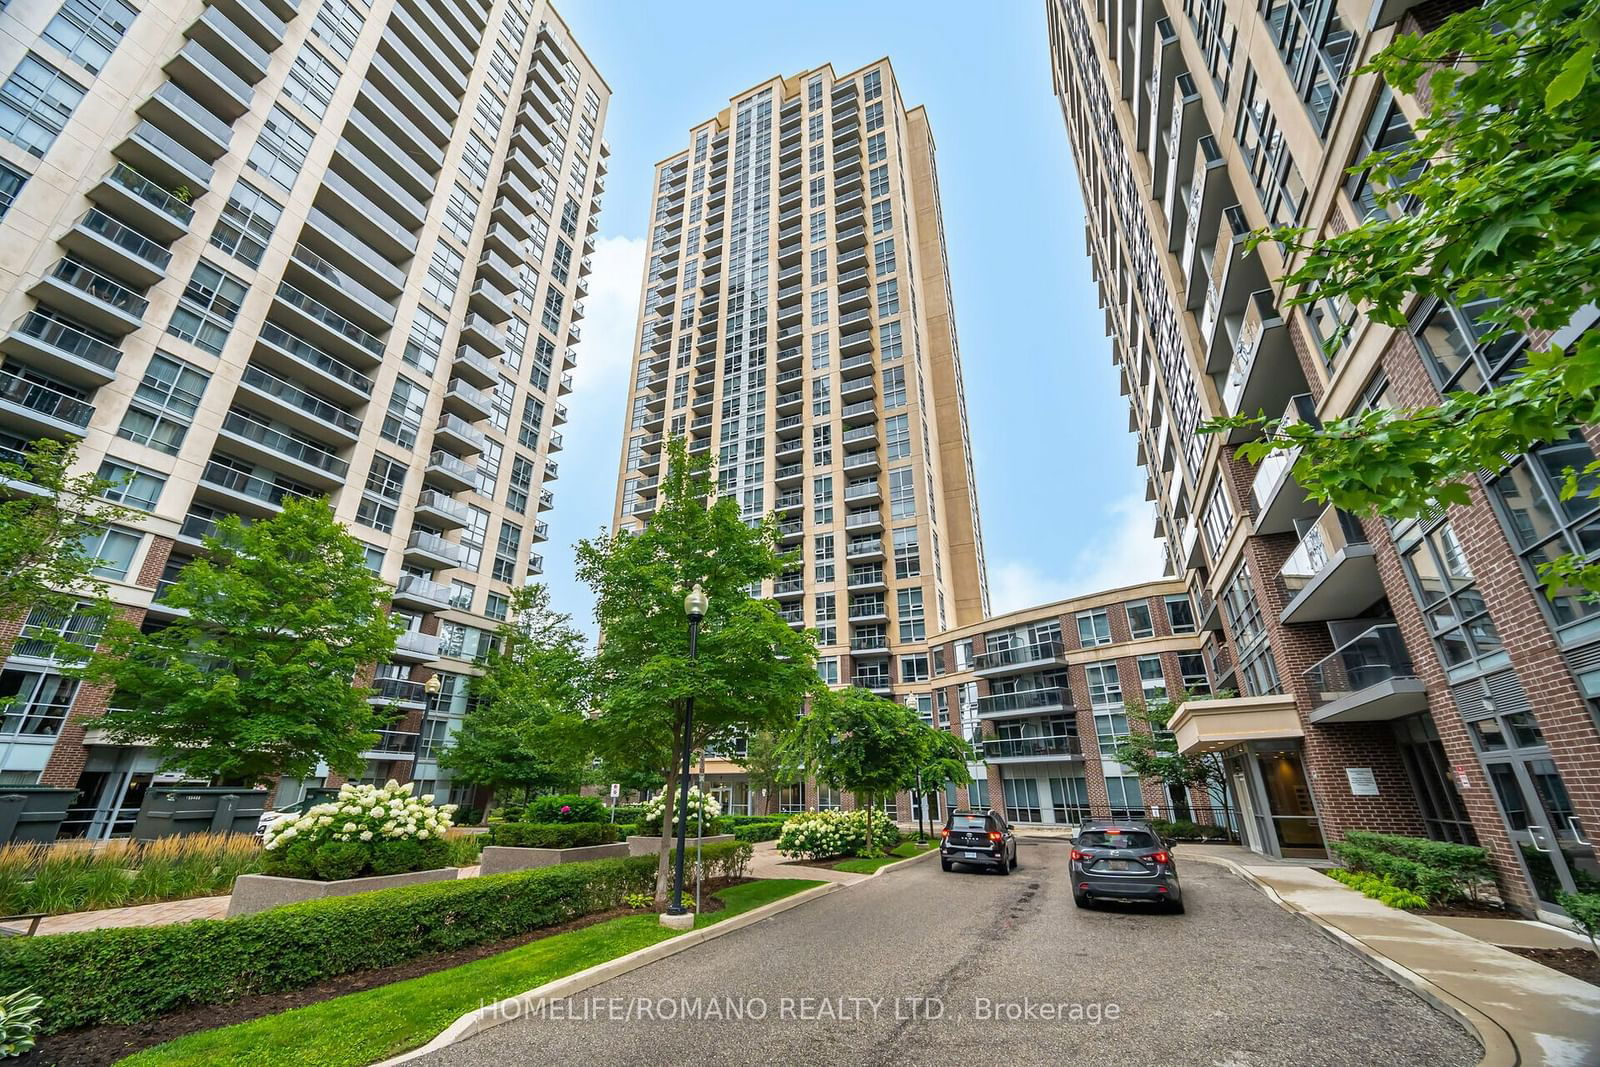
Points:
[[366, 1027], [904, 850]]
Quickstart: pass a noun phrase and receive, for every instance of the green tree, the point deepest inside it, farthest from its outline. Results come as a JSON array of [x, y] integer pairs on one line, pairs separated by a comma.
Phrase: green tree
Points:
[[254, 680], [856, 740], [524, 734], [765, 767], [944, 759], [1492, 204], [46, 515], [1152, 752], [753, 670]]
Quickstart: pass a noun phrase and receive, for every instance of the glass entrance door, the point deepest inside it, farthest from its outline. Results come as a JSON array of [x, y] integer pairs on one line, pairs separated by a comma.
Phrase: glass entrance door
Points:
[[1294, 819], [1556, 852]]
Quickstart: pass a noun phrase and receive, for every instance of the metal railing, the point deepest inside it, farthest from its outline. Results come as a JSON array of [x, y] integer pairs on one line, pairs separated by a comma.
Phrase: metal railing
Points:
[[46, 401], [1374, 656], [1029, 747], [1010, 657], [1053, 698], [68, 339]]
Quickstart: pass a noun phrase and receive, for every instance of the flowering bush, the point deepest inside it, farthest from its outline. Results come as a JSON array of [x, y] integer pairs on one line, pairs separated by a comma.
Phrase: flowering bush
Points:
[[364, 830], [700, 807], [566, 807], [824, 834]]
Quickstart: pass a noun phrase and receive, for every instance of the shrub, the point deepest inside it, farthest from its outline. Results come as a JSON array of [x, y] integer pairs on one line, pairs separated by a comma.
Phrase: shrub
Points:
[[19, 1018], [1584, 910], [344, 837], [824, 834], [746, 820], [758, 831], [700, 807], [567, 807], [463, 848], [1437, 870], [624, 813], [553, 835], [1184, 830], [1379, 888], [467, 816], [67, 876], [105, 975], [725, 859]]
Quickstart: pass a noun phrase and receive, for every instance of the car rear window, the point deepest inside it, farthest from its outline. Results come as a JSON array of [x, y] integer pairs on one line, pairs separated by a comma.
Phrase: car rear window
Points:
[[1127, 839], [968, 822]]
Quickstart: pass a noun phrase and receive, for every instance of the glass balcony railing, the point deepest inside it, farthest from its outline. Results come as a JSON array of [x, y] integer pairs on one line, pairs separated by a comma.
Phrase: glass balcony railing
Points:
[[298, 398], [1042, 651], [74, 342], [1023, 700], [1273, 470], [152, 193], [400, 689], [312, 356], [285, 445], [1321, 540], [331, 319], [1032, 747], [126, 238], [1377, 655], [239, 482], [40, 398], [72, 273]]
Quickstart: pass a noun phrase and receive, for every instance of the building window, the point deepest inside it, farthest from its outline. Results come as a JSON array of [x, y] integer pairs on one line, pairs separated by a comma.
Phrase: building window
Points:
[[1192, 668], [311, 81], [35, 104], [1180, 613], [910, 616], [1126, 801], [506, 549], [520, 485], [386, 482], [902, 493], [1257, 669], [88, 30], [246, 224], [461, 214], [130, 485], [114, 548], [444, 273], [34, 703], [883, 256], [1140, 624], [496, 606], [1543, 526], [894, 388], [1265, 154], [280, 150], [907, 553], [11, 183], [164, 404], [403, 420], [878, 181], [1386, 133], [1094, 628], [1152, 679], [1456, 346], [1315, 48], [204, 316], [338, 24], [883, 216]]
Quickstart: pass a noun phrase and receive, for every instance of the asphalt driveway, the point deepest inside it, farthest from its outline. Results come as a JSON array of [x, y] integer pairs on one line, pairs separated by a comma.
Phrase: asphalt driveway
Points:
[[919, 966]]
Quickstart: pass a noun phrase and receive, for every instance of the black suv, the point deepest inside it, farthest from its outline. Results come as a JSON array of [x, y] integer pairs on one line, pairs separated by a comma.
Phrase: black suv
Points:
[[978, 839], [1123, 859]]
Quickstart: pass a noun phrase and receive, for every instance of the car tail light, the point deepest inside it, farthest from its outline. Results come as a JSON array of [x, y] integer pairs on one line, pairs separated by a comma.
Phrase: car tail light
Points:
[[945, 832], [1079, 857], [1159, 857], [994, 835]]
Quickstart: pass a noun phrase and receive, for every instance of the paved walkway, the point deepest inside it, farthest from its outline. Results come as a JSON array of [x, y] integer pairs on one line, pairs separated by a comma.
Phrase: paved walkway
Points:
[[766, 863], [172, 911], [1527, 1013]]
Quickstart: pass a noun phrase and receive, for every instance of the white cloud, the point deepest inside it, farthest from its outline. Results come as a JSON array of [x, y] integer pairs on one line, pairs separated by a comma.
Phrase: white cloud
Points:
[[592, 437], [1124, 553]]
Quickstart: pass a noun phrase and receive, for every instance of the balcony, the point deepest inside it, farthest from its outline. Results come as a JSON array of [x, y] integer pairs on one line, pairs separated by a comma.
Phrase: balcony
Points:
[[864, 549], [455, 433], [231, 44], [1023, 702], [540, 532], [374, 225], [869, 641], [793, 474], [416, 647], [148, 204], [868, 580], [1333, 573], [861, 463], [1367, 679], [331, 329], [482, 335], [438, 509], [91, 297], [877, 682], [41, 410], [857, 388], [851, 237], [1266, 372], [1018, 658], [862, 493], [472, 367], [867, 520], [432, 551], [1043, 747], [1280, 501], [279, 348], [274, 446], [474, 405], [300, 409], [190, 122], [260, 494], [401, 745], [328, 283], [101, 241], [422, 593], [450, 471], [869, 609], [535, 563], [159, 155], [62, 349], [401, 691]]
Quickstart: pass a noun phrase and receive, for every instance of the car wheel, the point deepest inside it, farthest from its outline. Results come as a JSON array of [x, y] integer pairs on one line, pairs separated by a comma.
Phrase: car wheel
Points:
[[1081, 900], [1176, 906], [1005, 868], [1013, 861], [946, 864]]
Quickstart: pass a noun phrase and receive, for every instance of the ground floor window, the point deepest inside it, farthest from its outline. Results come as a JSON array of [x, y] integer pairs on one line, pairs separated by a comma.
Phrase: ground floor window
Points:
[[1422, 752], [1069, 799], [978, 794], [791, 799], [1126, 800], [1022, 800]]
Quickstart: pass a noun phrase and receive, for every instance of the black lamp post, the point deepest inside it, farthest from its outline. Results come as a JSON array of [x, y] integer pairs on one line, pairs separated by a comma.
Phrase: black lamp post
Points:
[[694, 606]]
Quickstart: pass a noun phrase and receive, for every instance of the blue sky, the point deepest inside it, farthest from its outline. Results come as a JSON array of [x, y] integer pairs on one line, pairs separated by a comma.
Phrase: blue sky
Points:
[[1062, 499]]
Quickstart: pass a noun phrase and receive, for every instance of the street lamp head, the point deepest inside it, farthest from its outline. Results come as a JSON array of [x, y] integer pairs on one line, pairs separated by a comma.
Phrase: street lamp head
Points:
[[694, 605], [911, 702], [433, 685]]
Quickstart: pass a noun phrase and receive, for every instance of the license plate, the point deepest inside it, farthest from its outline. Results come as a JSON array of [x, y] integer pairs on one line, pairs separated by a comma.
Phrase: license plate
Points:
[[972, 855], [1120, 865]]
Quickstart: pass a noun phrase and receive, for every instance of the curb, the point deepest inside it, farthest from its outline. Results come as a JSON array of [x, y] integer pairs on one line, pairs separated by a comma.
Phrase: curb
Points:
[[1499, 1050], [513, 1008], [892, 866]]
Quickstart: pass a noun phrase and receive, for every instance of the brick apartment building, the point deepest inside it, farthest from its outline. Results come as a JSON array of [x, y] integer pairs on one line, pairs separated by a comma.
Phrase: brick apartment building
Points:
[[1399, 676]]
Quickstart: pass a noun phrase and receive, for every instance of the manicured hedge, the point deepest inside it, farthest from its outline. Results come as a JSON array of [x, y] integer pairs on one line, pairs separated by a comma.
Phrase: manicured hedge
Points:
[[129, 974], [553, 835], [577, 809], [758, 831], [745, 820], [1437, 870]]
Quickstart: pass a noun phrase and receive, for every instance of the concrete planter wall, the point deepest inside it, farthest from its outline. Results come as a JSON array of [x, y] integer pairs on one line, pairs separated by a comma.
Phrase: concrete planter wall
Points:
[[253, 893], [498, 859], [649, 846]]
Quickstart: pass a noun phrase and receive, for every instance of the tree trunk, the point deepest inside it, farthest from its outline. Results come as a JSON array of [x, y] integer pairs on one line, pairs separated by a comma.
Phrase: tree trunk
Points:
[[669, 808], [869, 824]]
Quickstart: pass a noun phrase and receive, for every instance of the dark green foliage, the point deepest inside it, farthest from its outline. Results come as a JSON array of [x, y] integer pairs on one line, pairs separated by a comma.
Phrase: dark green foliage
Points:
[[333, 860], [129, 974], [1584, 910], [342, 859], [1437, 870], [397, 856], [577, 809], [1184, 830], [767, 830], [553, 835]]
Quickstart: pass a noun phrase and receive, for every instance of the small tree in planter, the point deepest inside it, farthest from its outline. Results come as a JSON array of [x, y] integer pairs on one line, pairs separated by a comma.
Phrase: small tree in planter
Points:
[[1584, 910], [364, 830]]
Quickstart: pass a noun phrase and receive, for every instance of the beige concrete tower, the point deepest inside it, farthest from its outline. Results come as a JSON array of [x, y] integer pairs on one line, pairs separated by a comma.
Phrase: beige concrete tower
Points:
[[259, 248], [796, 324]]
